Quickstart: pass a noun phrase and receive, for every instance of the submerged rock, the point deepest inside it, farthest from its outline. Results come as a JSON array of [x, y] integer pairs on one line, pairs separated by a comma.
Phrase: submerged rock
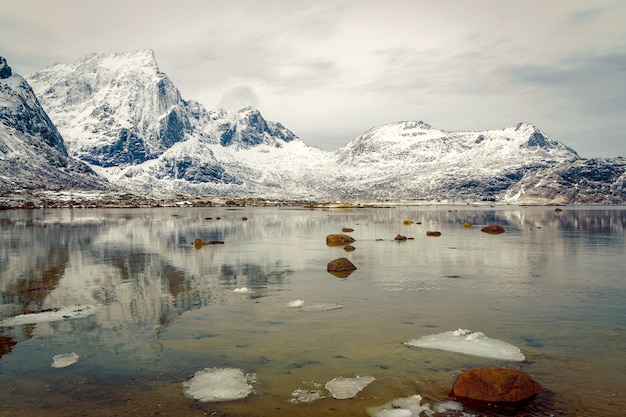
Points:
[[495, 385], [493, 229], [338, 239]]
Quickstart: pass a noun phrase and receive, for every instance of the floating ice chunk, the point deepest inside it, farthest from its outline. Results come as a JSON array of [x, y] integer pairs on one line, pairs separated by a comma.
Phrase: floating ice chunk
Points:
[[64, 360], [242, 290], [344, 388], [322, 307], [304, 395], [61, 313], [219, 384], [446, 406], [401, 407], [295, 303], [470, 343]]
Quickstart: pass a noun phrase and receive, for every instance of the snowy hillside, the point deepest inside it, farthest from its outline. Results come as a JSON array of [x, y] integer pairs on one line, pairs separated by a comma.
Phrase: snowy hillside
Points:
[[414, 160], [32, 151], [122, 115]]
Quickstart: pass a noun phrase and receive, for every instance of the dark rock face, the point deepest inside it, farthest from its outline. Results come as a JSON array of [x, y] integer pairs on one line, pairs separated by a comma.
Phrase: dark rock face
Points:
[[493, 229], [5, 69], [495, 385]]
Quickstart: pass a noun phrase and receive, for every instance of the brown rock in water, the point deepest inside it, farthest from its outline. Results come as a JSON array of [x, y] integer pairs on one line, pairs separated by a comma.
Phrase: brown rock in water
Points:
[[340, 265], [347, 230], [349, 248], [200, 243], [338, 239], [495, 385], [433, 233], [400, 237], [467, 225], [493, 229]]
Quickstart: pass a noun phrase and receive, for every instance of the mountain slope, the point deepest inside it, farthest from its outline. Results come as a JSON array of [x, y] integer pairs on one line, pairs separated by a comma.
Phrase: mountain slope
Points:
[[412, 160], [113, 110], [32, 151], [124, 117]]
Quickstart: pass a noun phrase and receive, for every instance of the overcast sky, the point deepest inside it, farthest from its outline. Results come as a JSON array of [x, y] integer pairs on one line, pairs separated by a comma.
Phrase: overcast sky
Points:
[[329, 70]]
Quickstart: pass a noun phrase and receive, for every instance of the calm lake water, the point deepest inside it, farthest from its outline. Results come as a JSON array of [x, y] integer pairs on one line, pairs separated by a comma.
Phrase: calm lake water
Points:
[[554, 284]]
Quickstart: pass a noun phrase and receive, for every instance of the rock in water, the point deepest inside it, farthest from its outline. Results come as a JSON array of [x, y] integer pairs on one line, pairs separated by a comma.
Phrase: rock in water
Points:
[[338, 239], [495, 385], [493, 229], [340, 265]]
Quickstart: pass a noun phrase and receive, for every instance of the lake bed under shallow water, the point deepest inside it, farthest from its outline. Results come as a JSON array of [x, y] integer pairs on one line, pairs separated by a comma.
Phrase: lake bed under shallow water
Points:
[[554, 285]]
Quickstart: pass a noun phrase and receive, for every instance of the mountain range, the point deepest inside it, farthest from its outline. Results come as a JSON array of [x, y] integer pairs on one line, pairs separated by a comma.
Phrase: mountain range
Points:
[[116, 122]]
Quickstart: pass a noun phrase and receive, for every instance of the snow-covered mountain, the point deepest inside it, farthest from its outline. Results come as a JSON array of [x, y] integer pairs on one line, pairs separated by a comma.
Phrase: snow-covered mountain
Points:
[[123, 116], [33, 154]]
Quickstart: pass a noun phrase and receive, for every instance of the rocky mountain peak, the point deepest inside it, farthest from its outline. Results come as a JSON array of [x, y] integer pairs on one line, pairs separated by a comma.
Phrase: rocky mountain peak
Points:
[[5, 69]]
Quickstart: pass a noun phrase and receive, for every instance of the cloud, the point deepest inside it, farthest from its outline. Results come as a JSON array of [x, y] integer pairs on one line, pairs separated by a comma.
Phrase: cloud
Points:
[[239, 97], [594, 82]]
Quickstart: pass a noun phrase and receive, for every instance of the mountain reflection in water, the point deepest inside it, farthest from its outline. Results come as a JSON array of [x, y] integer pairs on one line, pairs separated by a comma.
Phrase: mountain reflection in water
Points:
[[552, 284]]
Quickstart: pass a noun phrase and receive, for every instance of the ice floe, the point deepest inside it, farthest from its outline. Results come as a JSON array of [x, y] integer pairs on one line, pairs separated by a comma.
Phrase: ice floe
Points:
[[219, 384], [322, 307], [56, 314], [307, 395], [343, 388], [64, 360], [295, 303], [242, 290], [412, 407], [470, 343]]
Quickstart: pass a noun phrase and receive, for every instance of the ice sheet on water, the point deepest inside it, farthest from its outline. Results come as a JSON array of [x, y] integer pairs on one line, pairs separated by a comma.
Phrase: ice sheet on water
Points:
[[401, 407], [295, 303], [412, 407], [64, 360], [307, 395], [219, 384], [322, 307], [242, 290], [343, 388], [470, 343], [56, 314]]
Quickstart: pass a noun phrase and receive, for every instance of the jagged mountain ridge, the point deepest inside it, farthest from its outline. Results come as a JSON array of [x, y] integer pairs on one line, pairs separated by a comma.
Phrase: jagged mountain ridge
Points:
[[33, 154], [122, 115]]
